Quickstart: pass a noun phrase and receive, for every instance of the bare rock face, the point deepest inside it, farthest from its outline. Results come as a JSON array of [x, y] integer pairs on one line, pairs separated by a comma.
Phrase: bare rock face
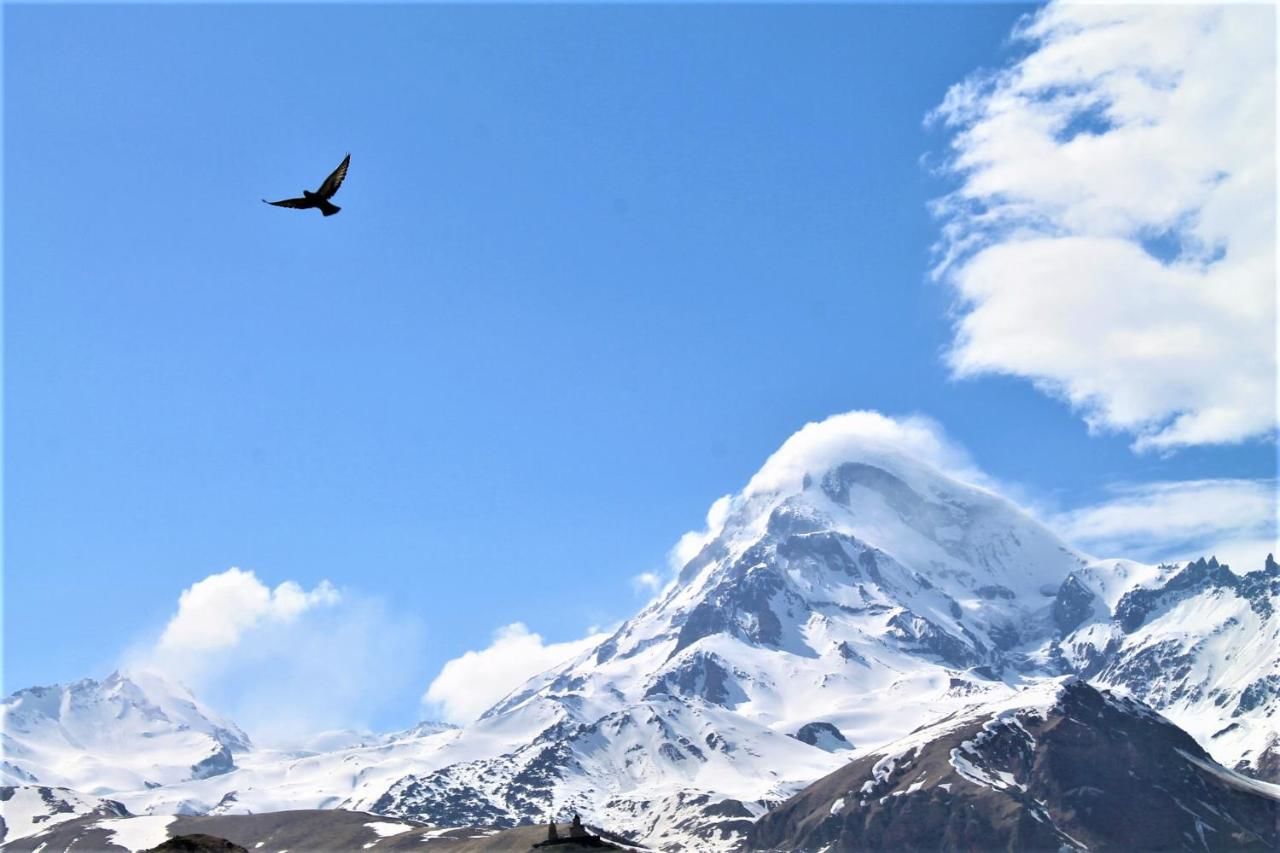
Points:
[[1072, 604], [1081, 769], [822, 735]]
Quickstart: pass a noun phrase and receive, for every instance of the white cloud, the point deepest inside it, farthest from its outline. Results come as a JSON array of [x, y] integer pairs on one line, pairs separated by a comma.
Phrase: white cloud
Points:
[[215, 612], [688, 546], [469, 685], [283, 662], [647, 582], [1113, 235], [1236, 520], [818, 446]]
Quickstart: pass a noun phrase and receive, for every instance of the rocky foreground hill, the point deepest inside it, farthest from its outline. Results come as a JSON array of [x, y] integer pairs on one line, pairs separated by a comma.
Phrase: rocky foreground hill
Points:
[[1060, 768]]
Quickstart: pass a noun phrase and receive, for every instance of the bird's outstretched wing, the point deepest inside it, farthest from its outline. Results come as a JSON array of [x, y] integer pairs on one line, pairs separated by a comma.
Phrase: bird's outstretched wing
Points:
[[298, 203], [331, 183]]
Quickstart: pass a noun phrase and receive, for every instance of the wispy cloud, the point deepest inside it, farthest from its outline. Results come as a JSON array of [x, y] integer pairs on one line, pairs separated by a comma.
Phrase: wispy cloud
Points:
[[1236, 520], [647, 582], [469, 685], [693, 541], [1112, 238]]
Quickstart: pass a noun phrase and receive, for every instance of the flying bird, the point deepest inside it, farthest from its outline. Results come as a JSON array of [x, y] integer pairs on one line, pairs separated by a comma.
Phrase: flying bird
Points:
[[319, 198]]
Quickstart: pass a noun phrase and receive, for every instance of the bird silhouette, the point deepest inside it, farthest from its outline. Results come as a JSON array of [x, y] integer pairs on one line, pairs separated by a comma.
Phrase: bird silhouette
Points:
[[319, 198]]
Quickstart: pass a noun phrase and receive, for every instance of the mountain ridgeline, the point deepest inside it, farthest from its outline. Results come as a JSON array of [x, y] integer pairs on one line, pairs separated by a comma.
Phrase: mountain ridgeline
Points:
[[841, 605]]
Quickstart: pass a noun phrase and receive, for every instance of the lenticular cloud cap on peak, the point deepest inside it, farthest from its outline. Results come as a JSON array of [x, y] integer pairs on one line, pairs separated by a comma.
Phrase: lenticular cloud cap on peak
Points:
[[860, 436]]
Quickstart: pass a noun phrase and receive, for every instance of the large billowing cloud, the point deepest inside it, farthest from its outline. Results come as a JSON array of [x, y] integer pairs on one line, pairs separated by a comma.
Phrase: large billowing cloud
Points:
[[216, 612], [469, 685], [1112, 237], [283, 662]]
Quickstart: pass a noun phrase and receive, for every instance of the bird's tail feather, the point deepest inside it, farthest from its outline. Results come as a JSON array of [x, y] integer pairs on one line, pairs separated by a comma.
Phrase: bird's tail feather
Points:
[[327, 208]]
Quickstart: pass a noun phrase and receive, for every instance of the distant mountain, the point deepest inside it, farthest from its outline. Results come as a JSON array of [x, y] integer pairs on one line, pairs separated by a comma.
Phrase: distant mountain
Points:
[[124, 733], [1058, 768]]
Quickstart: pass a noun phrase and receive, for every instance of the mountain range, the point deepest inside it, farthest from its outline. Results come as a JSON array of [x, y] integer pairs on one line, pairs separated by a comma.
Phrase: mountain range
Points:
[[845, 600]]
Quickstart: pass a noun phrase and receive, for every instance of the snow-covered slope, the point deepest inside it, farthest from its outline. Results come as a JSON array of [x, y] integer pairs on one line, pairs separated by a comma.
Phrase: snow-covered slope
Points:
[[30, 809], [119, 734], [277, 779]]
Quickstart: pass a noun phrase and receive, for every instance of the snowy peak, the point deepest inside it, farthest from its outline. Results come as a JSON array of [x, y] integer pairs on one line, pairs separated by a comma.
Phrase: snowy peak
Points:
[[851, 557], [898, 527], [124, 732]]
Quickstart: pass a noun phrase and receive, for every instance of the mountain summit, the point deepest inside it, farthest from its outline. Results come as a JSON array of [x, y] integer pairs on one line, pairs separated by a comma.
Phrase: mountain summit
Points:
[[848, 590]]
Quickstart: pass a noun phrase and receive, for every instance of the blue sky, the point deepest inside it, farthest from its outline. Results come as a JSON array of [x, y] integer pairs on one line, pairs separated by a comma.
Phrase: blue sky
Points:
[[593, 266]]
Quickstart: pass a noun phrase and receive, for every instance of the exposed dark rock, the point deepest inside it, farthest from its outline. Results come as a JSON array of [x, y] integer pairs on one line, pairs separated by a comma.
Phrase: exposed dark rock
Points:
[[742, 605], [1261, 587], [924, 637], [826, 551], [1072, 604], [450, 803], [1261, 690], [702, 675], [728, 808], [1267, 764], [1198, 576], [822, 734], [218, 763], [849, 653], [197, 843]]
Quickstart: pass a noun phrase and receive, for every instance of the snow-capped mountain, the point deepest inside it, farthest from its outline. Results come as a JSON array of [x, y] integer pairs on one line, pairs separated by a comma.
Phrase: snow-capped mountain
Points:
[[1058, 767], [848, 595], [1201, 643], [866, 596], [119, 734]]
